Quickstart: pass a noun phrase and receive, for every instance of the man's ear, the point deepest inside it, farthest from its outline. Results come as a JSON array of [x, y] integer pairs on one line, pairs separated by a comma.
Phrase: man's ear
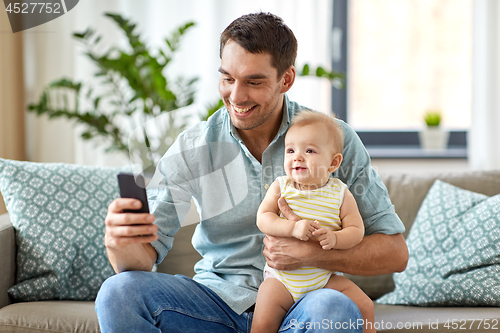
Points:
[[337, 159], [288, 79]]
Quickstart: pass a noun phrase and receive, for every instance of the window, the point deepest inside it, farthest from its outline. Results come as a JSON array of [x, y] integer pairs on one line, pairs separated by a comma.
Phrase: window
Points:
[[402, 58]]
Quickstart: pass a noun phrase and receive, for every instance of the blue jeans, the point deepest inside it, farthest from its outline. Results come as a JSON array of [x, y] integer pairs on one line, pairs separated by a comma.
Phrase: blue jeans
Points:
[[154, 302]]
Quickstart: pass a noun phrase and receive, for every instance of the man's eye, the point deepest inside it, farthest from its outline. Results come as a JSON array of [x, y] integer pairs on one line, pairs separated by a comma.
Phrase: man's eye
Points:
[[254, 83]]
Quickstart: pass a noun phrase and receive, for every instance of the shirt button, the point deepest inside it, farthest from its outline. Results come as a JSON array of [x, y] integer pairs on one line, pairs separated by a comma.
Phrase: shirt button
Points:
[[266, 187]]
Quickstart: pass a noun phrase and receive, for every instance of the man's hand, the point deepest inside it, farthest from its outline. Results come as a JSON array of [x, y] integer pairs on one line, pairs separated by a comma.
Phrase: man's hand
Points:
[[124, 229], [286, 253], [287, 211], [128, 235], [304, 229]]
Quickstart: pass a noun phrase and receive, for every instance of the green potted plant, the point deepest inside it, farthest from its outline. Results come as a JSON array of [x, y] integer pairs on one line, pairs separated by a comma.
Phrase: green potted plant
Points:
[[433, 136], [128, 108]]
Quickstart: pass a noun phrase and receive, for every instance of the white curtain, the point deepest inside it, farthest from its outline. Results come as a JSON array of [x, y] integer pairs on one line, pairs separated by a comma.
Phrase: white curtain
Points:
[[51, 53], [484, 135]]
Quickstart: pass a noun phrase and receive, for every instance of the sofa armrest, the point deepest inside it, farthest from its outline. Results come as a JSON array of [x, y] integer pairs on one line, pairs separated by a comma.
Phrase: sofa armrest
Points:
[[7, 258]]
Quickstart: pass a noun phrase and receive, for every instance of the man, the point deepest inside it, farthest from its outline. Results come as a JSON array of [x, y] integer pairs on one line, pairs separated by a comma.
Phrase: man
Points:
[[226, 164]]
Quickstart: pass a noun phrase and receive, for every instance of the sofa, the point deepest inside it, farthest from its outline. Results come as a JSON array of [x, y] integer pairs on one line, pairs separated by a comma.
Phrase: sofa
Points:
[[407, 192]]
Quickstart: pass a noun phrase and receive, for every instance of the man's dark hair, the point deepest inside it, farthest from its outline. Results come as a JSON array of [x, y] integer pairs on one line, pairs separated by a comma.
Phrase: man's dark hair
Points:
[[263, 33]]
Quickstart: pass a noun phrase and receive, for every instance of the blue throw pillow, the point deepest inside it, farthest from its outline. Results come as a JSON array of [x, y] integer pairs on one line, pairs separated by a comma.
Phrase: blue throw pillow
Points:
[[454, 247], [58, 212]]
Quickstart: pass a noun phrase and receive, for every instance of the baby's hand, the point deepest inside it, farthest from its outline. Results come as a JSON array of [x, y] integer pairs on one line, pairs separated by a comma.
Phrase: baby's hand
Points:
[[304, 229], [327, 238]]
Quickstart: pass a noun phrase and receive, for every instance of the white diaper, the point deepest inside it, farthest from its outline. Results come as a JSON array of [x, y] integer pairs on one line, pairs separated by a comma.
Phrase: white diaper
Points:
[[301, 281]]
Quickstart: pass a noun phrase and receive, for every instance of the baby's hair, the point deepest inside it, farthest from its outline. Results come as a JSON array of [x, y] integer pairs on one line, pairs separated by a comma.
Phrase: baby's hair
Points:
[[334, 129]]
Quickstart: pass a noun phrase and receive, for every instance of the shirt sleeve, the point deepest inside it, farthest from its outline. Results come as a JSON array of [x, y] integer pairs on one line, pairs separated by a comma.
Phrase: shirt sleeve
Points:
[[367, 187], [169, 196]]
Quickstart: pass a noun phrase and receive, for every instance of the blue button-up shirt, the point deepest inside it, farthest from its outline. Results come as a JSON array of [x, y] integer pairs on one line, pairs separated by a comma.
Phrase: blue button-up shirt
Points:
[[211, 164]]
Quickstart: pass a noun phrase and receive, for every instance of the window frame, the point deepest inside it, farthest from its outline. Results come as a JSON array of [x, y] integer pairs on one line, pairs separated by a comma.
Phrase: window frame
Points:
[[380, 144]]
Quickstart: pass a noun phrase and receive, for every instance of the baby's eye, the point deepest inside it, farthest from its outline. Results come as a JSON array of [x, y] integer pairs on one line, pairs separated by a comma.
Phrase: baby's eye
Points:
[[309, 151], [289, 151]]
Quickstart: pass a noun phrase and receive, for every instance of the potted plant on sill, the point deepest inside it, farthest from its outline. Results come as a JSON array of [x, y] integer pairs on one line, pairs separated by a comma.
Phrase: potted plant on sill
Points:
[[433, 137]]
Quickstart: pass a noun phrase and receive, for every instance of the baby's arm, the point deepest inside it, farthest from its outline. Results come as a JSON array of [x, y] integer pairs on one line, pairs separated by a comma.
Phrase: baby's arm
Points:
[[271, 224], [352, 231]]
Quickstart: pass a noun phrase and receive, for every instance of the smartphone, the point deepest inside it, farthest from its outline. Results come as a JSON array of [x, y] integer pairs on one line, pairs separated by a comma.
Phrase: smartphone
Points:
[[133, 187]]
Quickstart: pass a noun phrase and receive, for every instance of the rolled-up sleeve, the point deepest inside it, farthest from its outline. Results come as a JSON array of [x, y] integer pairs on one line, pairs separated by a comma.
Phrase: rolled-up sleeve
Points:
[[169, 197]]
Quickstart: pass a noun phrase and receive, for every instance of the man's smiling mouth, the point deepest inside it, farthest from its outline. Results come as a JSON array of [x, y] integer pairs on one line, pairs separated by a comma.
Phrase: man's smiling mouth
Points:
[[242, 110]]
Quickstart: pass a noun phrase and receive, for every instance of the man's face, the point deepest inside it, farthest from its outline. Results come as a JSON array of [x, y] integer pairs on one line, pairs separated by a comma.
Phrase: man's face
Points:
[[249, 87]]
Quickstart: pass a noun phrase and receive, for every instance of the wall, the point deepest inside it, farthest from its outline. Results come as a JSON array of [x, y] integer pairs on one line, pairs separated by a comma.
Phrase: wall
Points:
[[484, 135], [11, 94]]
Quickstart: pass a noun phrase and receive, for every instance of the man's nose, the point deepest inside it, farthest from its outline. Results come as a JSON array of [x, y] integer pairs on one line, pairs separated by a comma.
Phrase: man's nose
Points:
[[239, 93]]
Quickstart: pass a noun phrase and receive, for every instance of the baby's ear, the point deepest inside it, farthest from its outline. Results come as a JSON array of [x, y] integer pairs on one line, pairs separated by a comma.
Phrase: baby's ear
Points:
[[337, 159]]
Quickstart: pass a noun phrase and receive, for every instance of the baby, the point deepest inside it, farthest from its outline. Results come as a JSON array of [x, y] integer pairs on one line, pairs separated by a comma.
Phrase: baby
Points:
[[328, 212]]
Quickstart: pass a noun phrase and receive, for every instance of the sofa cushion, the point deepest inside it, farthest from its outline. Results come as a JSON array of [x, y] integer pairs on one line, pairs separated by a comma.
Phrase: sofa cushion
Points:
[[49, 316], [400, 318], [454, 247], [7, 258], [58, 212], [408, 190]]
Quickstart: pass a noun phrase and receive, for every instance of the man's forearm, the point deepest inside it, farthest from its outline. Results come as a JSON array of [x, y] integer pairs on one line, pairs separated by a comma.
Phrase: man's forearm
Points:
[[377, 254]]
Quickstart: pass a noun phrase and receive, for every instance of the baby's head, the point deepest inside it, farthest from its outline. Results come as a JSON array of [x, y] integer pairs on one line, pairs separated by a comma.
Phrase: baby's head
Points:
[[313, 148]]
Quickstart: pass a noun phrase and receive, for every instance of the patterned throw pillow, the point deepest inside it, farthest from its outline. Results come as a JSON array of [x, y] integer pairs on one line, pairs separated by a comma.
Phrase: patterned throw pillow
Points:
[[58, 213], [454, 247]]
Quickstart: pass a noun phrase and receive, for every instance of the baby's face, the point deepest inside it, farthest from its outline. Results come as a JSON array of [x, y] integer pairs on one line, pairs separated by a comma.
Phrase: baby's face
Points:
[[309, 154]]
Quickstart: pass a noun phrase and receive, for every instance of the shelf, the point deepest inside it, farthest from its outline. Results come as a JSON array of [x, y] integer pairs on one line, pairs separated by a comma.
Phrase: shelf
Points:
[[415, 152]]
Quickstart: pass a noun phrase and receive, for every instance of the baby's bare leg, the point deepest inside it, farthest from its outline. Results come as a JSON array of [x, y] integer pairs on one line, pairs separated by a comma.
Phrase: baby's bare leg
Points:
[[351, 290], [273, 302]]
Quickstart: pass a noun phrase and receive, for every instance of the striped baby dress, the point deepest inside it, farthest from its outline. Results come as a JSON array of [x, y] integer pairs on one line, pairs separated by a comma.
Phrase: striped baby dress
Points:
[[323, 205]]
